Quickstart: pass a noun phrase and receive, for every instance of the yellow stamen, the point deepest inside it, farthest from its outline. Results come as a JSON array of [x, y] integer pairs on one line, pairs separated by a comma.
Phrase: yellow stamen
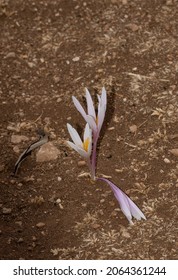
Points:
[[86, 144]]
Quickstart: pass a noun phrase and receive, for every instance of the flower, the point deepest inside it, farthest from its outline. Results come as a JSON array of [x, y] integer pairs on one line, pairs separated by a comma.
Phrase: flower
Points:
[[83, 148], [94, 121], [128, 207]]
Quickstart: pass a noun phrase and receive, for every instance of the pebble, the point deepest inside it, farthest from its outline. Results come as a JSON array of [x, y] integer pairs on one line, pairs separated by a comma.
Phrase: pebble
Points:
[[174, 152], [133, 128], [166, 160], [20, 240], [31, 64], [6, 210], [56, 79], [76, 58], [132, 26], [19, 223], [16, 149], [111, 128], [47, 152], [59, 100], [10, 55], [16, 139], [95, 226], [81, 163], [59, 179], [40, 225]]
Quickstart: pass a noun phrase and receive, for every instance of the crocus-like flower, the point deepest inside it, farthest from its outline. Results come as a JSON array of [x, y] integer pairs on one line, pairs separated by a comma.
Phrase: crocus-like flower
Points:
[[95, 121], [83, 148], [128, 207]]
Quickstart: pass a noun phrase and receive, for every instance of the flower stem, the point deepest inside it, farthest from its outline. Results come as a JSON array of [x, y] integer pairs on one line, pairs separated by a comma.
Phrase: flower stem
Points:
[[93, 158]]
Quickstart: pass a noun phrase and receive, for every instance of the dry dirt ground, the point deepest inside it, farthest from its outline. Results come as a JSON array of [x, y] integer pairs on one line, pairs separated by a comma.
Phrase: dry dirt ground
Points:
[[51, 50]]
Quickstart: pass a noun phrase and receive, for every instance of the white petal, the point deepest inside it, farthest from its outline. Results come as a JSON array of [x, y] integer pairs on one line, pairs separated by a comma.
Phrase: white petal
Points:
[[87, 133], [90, 106], [79, 150], [79, 107], [74, 135], [101, 116], [90, 120], [103, 97], [136, 212]]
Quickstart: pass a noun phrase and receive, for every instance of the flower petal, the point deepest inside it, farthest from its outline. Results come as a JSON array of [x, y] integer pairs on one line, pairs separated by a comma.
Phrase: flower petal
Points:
[[136, 212], [101, 116], [122, 199], [74, 135], [79, 150], [128, 207], [90, 120], [103, 97], [87, 132], [79, 107], [90, 106]]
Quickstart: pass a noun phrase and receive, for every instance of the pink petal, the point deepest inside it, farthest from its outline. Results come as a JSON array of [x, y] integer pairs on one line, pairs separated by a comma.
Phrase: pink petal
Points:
[[90, 106], [128, 207]]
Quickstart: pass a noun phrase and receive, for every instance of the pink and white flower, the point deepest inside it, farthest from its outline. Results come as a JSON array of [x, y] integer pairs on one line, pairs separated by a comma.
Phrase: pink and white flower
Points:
[[95, 121], [82, 147]]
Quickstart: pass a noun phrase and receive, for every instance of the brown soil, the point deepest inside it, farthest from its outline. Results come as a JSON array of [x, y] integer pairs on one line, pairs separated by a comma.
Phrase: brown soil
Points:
[[49, 51]]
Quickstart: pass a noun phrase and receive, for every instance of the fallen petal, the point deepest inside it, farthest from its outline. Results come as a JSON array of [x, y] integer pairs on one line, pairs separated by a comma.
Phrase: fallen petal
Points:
[[128, 207]]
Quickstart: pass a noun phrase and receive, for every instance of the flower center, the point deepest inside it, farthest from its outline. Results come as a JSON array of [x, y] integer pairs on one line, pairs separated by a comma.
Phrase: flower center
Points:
[[86, 144]]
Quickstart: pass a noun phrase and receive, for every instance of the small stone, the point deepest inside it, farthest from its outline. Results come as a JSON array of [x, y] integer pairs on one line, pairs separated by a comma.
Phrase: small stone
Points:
[[20, 240], [16, 149], [166, 160], [76, 58], [174, 152], [10, 55], [59, 100], [47, 152], [111, 128], [19, 223], [16, 139], [102, 200], [81, 163], [56, 79], [12, 181], [40, 225], [6, 210], [119, 170], [31, 64], [59, 179], [95, 226], [132, 26], [133, 128]]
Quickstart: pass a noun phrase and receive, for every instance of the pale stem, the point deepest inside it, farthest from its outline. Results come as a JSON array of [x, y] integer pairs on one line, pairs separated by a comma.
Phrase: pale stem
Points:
[[93, 158]]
